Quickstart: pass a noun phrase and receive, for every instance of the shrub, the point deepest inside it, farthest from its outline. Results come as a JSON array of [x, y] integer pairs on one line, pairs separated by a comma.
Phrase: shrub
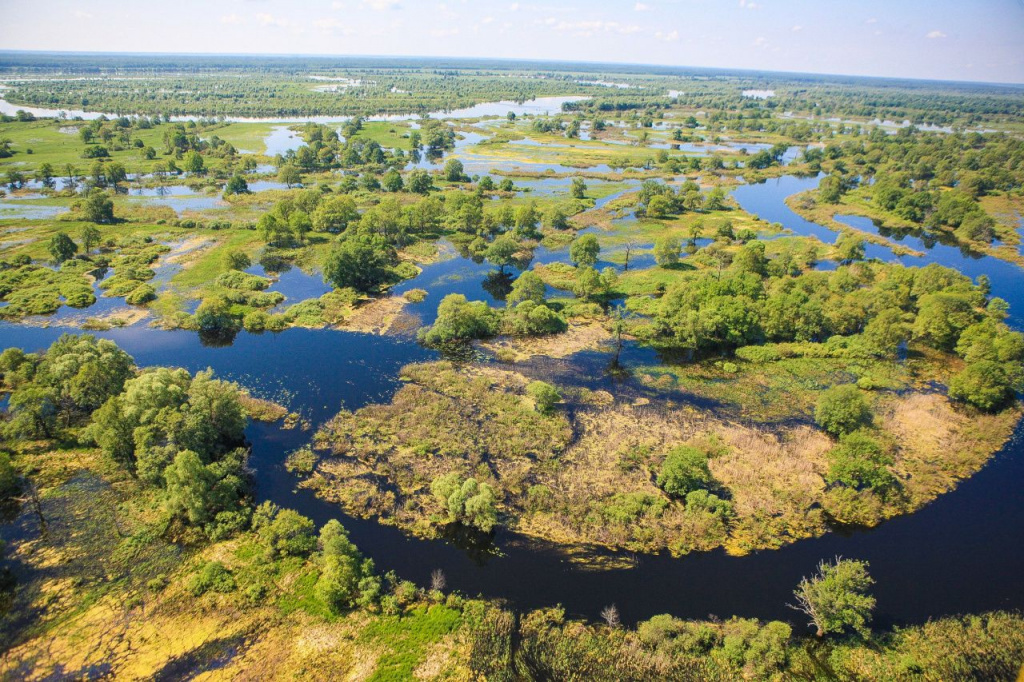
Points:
[[684, 470], [213, 576], [859, 462], [983, 384], [842, 409], [544, 395]]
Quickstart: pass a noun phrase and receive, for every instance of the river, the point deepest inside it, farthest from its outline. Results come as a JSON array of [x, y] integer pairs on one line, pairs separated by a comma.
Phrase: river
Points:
[[961, 553]]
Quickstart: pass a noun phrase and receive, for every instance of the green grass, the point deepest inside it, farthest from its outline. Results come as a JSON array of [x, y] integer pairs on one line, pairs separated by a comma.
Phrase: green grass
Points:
[[405, 639]]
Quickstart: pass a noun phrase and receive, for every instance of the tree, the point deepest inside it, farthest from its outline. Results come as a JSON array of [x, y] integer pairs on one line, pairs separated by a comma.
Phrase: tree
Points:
[[716, 200], [33, 413], [459, 319], [545, 396], [236, 260], [90, 238], [392, 181], [527, 287], [666, 251], [236, 185], [684, 470], [346, 579], [859, 462], [190, 487], [420, 182], [62, 248], [502, 252], [289, 175], [361, 262], [98, 207], [842, 409], [886, 332], [454, 171], [466, 501], [836, 597], [300, 224], [283, 532], [578, 188], [849, 248], [984, 384], [334, 214], [194, 163], [584, 250]]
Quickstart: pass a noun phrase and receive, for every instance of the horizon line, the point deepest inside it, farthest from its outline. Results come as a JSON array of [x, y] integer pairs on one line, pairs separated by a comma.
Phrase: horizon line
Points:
[[294, 55]]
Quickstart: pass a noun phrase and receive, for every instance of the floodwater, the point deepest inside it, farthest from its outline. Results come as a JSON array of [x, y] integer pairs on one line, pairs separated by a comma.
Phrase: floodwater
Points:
[[961, 553]]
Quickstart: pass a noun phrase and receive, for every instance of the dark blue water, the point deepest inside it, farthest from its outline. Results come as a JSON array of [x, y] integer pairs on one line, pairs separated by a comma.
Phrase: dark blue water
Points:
[[962, 553]]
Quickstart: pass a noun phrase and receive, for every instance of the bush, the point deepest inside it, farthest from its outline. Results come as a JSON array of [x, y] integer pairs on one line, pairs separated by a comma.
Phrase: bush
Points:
[[544, 395], [842, 409], [284, 532], [983, 384], [213, 576], [466, 501], [859, 462], [685, 470], [459, 319]]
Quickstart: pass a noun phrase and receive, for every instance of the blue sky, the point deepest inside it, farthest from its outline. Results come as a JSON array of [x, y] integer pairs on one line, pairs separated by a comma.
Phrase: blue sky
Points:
[[966, 40]]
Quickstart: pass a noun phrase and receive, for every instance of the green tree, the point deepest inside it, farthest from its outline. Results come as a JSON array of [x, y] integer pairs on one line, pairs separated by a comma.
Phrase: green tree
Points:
[[459, 319], [289, 175], [33, 411], [62, 248], [502, 252], [667, 251], [545, 396], [90, 238], [98, 207], [190, 488], [346, 579], [420, 182], [466, 501], [453, 171], [285, 533], [842, 409], [334, 214], [194, 163], [578, 189], [859, 462], [684, 470], [984, 384], [236, 185], [362, 262], [849, 248], [392, 181], [584, 250], [836, 597], [235, 259], [527, 287]]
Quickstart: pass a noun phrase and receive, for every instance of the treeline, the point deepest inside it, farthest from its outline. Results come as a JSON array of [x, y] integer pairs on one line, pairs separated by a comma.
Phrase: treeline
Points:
[[933, 180]]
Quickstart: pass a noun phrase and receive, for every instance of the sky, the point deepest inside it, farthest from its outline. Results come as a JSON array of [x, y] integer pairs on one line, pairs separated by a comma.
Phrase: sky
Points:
[[975, 40]]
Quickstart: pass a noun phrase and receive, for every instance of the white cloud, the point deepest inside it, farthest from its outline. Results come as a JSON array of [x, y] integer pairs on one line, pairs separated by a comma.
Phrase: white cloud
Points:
[[641, 7], [749, 4], [231, 19], [487, 20], [760, 41], [381, 5], [337, 5], [444, 32], [797, 28], [514, 7], [935, 34], [872, 20], [589, 28], [669, 37], [331, 25], [265, 19], [79, 14]]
